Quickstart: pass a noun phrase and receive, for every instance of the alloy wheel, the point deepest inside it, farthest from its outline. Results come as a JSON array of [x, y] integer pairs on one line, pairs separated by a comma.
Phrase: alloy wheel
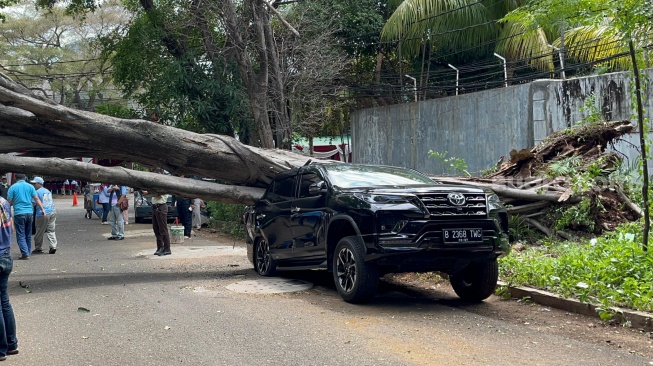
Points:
[[263, 258], [346, 269]]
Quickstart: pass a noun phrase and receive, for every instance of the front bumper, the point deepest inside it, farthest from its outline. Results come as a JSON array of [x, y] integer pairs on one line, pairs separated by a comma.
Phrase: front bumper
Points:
[[421, 243]]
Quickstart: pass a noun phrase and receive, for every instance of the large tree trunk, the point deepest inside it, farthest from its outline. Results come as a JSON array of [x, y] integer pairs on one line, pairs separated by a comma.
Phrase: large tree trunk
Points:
[[39, 127], [137, 179], [254, 76]]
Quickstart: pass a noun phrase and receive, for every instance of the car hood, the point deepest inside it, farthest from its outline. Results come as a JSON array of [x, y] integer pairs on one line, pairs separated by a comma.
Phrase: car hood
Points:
[[434, 188]]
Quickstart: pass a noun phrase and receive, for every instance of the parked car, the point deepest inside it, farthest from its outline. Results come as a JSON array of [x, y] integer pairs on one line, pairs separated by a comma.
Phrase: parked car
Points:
[[143, 208], [362, 221]]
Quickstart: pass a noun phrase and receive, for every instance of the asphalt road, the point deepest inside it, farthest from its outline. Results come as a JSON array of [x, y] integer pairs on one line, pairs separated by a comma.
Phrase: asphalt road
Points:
[[100, 302]]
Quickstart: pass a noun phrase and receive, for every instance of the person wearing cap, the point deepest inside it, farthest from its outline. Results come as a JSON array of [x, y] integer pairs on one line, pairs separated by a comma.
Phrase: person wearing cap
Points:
[[45, 221], [21, 195]]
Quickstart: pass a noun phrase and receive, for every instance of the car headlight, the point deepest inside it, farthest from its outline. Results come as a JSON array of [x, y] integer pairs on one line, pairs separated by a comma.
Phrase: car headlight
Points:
[[384, 198], [494, 202]]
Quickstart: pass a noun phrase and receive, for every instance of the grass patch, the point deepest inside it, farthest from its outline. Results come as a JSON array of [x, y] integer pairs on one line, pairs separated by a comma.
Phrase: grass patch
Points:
[[612, 270]]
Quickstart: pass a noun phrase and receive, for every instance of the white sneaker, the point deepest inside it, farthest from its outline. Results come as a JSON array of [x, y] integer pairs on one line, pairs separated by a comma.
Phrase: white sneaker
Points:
[[105, 223]]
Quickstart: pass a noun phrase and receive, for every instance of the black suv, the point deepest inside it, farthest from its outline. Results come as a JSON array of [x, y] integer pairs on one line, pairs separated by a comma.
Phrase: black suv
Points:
[[362, 221]]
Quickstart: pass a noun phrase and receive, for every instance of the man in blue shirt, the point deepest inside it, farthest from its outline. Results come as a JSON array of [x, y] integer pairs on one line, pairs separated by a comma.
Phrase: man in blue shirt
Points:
[[45, 224], [21, 195], [8, 340], [116, 194]]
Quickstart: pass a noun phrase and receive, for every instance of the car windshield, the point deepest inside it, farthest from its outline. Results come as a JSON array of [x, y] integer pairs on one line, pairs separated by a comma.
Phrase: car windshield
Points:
[[353, 176]]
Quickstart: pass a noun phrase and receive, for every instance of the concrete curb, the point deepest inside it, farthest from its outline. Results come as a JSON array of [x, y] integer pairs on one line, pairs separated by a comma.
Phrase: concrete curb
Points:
[[637, 319]]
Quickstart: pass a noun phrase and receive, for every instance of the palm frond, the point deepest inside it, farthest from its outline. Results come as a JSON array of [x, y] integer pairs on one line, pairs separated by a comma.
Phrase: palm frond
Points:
[[516, 42], [591, 44], [455, 23]]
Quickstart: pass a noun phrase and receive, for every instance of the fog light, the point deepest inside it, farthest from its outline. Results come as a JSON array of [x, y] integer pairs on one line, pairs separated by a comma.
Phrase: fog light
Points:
[[399, 226]]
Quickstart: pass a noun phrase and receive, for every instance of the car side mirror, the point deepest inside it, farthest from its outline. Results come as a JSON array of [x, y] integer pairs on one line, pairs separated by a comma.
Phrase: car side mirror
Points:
[[316, 189]]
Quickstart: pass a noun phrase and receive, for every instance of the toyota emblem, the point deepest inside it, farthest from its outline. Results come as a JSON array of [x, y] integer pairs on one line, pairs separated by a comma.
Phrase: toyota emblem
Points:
[[456, 199]]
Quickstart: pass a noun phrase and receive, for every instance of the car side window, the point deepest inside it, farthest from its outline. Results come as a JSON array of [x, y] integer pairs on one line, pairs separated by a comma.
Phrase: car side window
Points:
[[306, 180], [282, 190]]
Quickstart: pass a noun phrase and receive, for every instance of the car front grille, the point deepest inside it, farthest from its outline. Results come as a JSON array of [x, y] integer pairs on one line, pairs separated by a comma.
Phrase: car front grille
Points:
[[440, 205]]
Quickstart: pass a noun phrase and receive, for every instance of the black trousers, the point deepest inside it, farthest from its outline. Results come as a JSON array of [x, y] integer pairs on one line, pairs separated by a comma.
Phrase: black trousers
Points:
[[185, 216], [160, 226]]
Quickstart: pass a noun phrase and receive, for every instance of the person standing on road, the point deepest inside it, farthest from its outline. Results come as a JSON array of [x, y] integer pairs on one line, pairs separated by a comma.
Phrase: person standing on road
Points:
[[45, 223], [125, 212], [160, 223], [88, 201], [197, 213], [21, 195], [103, 199], [185, 214], [8, 339], [116, 195]]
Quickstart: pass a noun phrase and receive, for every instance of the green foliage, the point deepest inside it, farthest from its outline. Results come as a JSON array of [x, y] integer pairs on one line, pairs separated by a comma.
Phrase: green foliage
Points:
[[4, 4], [450, 165], [182, 86], [359, 22], [592, 110], [228, 216], [115, 110], [564, 167], [609, 271], [519, 230], [488, 171], [580, 216]]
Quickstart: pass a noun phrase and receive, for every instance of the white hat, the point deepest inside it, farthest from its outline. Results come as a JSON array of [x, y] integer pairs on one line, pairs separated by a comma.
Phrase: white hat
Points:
[[37, 180]]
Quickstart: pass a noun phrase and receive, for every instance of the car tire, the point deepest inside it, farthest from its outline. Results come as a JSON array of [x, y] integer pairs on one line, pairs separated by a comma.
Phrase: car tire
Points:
[[264, 264], [138, 220], [356, 280], [477, 281]]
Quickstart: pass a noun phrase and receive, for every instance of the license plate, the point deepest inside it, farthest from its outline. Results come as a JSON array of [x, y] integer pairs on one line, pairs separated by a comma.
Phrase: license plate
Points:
[[462, 235]]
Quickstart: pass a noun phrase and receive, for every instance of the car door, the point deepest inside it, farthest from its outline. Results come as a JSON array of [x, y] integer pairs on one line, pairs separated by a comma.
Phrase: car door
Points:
[[273, 215], [308, 219]]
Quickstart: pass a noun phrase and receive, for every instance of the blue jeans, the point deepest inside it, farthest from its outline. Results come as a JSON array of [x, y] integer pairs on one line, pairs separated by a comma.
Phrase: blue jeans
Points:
[[117, 222], [8, 340], [23, 225], [106, 207]]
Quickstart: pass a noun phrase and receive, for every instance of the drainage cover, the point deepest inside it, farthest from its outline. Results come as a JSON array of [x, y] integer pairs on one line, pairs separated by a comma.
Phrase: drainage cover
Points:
[[270, 286]]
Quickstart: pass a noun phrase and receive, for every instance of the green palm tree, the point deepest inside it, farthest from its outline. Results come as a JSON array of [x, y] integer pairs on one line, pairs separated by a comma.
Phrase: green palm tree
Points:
[[470, 25]]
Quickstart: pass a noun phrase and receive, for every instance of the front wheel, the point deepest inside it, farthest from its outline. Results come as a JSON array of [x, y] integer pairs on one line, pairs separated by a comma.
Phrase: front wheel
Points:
[[356, 280], [264, 264], [477, 281]]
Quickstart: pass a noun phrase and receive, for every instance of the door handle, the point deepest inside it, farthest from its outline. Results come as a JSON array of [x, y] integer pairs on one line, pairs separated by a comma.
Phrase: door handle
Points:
[[261, 216], [295, 209]]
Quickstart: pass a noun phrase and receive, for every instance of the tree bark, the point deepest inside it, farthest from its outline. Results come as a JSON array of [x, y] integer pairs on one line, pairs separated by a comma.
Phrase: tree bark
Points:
[[153, 182], [53, 130]]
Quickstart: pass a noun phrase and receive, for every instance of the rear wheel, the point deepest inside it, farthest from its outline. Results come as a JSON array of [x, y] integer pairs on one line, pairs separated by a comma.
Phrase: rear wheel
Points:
[[477, 281], [264, 264], [356, 280]]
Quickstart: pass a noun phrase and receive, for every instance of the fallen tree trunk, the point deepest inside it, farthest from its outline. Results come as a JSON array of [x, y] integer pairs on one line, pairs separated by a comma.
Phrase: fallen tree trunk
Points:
[[137, 179], [55, 130], [512, 192]]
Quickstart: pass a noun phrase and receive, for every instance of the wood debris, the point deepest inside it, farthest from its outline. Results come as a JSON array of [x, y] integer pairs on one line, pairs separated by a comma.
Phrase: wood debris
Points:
[[533, 183]]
